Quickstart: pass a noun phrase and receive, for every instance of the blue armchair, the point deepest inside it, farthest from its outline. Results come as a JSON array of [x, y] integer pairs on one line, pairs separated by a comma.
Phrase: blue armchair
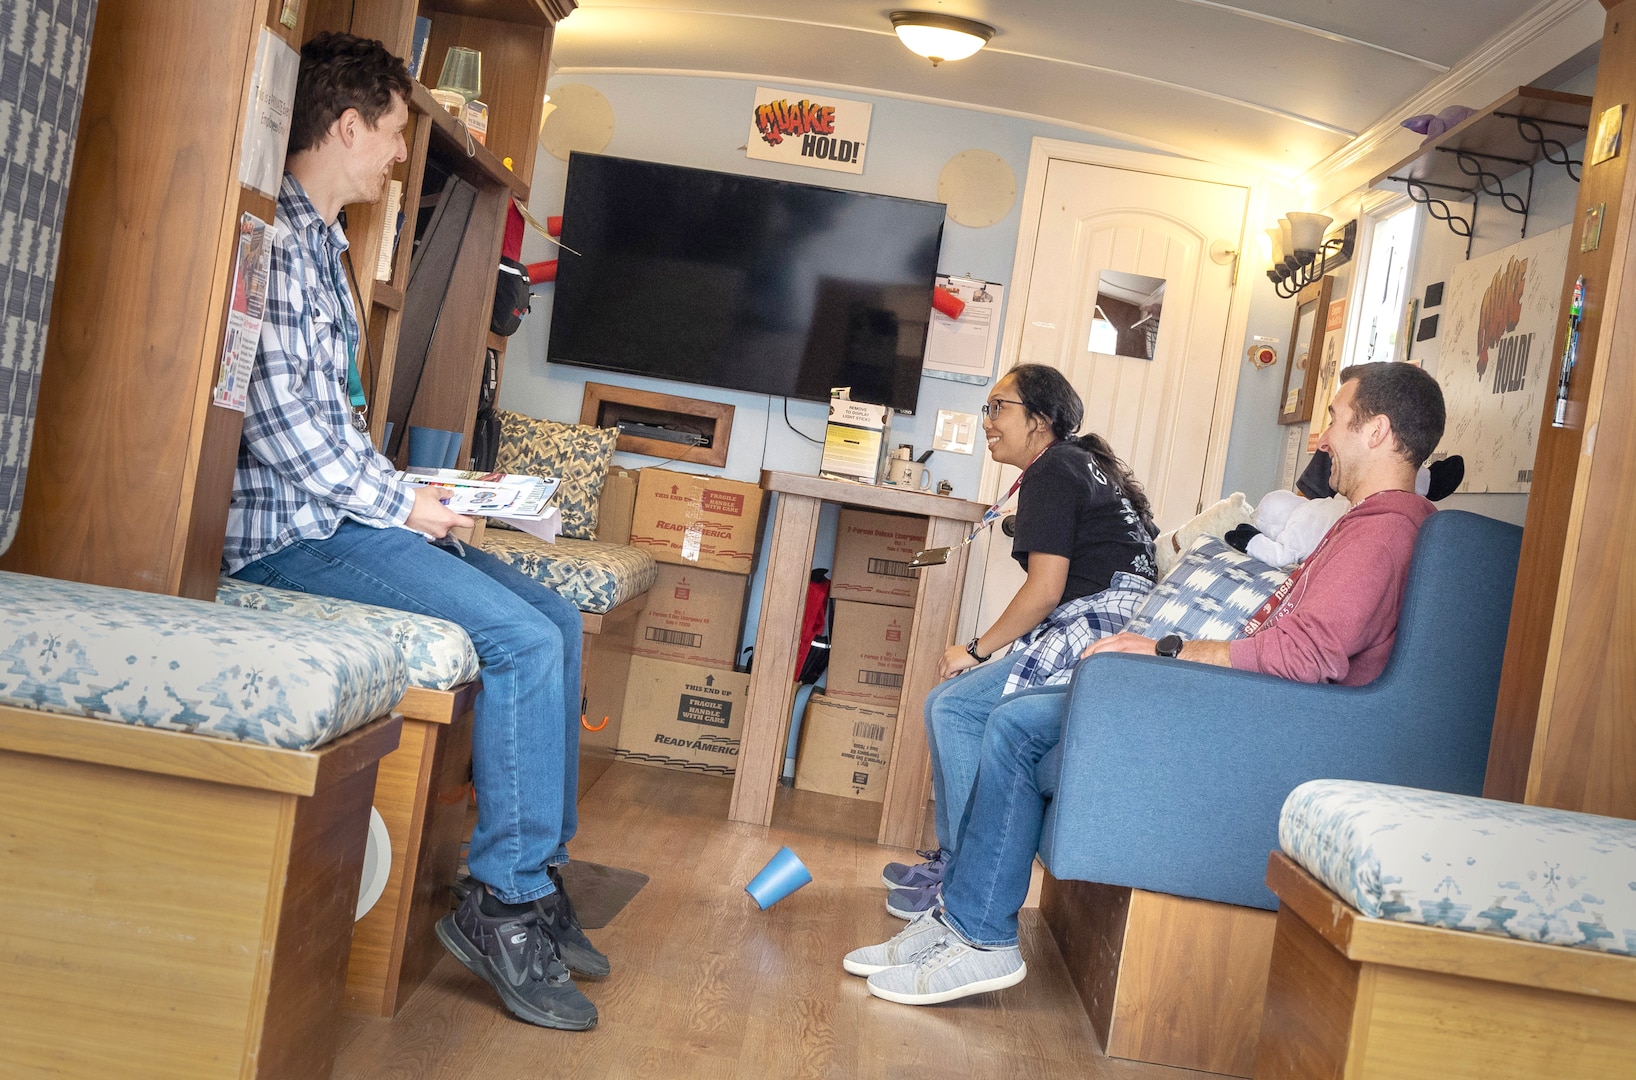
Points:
[[1166, 787], [1170, 775]]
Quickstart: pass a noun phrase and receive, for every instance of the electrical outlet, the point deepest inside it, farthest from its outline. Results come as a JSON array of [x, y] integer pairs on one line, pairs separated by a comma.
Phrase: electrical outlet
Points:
[[956, 431]]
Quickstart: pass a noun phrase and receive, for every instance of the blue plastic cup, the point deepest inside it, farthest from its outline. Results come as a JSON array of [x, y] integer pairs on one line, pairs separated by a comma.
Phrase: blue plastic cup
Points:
[[429, 447], [783, 874], [452, 459]]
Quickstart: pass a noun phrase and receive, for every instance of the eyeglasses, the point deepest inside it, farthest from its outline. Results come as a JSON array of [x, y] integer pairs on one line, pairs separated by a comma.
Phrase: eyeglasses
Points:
[[991, 407]]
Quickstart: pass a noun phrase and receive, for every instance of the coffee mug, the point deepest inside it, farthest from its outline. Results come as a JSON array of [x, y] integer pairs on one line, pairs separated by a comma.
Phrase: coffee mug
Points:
[[901, 472]]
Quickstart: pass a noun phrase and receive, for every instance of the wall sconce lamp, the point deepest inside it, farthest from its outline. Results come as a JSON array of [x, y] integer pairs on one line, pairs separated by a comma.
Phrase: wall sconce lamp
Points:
[[1301, 254], [940, 37]]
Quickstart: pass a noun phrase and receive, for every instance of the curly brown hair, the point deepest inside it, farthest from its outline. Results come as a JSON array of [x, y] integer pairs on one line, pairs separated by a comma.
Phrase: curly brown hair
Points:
[[341, 72]]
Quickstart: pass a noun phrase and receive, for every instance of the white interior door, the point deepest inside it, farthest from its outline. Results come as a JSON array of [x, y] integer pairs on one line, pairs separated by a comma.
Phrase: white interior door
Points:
[[1098, 224]]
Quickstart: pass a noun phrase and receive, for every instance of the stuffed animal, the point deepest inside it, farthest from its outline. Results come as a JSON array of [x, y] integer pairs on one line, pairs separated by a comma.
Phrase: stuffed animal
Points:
[[1215, 520], [1287, 527]]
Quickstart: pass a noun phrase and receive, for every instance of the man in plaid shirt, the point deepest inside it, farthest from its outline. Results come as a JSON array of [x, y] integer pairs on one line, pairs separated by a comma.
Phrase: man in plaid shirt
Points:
[[315, 508]]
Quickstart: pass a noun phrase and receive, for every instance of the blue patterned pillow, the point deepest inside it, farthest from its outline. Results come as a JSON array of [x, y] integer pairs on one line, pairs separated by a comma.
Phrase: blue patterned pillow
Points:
[[1209, 595], [578, 454]]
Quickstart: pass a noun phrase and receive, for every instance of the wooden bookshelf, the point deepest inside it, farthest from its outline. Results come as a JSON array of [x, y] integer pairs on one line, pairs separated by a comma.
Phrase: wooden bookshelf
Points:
[[132, 465]]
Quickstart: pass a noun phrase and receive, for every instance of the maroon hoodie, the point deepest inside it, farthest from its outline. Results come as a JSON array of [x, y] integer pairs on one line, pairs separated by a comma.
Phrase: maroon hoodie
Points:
[[1339, 620]]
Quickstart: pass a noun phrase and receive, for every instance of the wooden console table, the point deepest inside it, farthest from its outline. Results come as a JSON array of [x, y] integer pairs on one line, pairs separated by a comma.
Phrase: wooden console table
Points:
[[772, 683]]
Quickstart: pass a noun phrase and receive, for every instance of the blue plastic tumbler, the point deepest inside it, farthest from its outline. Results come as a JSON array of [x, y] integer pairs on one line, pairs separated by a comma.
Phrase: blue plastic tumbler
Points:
[[783, 874], [428, 447]]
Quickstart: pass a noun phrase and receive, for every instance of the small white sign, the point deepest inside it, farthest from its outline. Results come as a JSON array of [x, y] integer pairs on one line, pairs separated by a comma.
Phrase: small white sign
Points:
[[817, 130], [267, 114]]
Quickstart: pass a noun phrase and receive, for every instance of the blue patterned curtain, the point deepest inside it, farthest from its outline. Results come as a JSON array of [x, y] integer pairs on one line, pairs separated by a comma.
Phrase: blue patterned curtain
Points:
[[44, 45]]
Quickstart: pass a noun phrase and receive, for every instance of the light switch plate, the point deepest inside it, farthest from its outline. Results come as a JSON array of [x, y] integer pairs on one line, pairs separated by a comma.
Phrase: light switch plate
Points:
[[956, 431]]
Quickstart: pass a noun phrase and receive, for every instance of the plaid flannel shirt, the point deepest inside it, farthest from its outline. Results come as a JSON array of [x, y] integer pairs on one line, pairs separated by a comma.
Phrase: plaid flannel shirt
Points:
[[1047, 656], [303, 468]]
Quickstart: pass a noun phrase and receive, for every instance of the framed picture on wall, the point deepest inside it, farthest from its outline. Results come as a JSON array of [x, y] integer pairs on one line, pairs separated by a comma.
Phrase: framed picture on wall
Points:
[[1306, 350]]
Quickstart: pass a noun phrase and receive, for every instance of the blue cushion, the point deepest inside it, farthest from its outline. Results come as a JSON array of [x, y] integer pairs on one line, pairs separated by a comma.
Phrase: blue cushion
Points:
[[1209, 595], [185, 665], [591, 575], [1464, 863]]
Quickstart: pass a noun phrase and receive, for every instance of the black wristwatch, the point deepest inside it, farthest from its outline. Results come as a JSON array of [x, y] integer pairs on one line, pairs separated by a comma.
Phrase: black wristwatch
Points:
[[1169, 646], [971, 650]]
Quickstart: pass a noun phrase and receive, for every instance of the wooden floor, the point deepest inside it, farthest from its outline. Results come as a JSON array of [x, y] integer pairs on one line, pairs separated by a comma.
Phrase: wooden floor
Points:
[[704, 984]]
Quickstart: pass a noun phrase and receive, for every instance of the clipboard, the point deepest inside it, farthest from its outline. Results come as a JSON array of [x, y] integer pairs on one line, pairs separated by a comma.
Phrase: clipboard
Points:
[[963, 349]]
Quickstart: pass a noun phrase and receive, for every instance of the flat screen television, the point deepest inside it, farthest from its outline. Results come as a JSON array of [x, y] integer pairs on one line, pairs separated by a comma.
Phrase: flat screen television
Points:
[[741, 282]]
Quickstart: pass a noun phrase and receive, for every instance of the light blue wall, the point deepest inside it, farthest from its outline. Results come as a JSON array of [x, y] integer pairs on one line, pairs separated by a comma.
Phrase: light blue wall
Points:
[[704, 123]]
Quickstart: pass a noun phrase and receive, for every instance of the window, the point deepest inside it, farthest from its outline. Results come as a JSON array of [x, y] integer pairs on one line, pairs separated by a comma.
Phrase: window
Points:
[[1385, 283]]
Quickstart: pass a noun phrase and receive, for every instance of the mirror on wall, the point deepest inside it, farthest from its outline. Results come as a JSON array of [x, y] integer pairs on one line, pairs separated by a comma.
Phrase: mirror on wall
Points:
[[1126, 319]]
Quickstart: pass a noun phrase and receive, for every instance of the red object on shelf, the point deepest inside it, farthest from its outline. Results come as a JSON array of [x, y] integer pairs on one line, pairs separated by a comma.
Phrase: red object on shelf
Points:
[[553, 225], [542, 271], [946, 302], [511, 244]]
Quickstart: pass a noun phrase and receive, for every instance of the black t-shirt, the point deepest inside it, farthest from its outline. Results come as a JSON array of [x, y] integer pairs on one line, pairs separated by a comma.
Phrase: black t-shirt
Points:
[[1068, 506]]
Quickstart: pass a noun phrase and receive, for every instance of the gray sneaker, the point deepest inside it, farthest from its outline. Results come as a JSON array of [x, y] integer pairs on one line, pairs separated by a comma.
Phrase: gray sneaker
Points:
[[916, 875], [949, 969], [921, 933], [907, 903]]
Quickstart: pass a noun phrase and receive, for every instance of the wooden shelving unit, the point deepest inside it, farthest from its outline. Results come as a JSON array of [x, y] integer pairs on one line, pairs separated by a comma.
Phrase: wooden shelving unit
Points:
[[132, 465]]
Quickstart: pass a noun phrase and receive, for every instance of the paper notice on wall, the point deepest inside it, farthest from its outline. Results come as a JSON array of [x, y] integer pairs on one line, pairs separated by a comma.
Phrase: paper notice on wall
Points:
[[245, 313], [963, 349], [816, 130], [267, 114], [1291, 458]]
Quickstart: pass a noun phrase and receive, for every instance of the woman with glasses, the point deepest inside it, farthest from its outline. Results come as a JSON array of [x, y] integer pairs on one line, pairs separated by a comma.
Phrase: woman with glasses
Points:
[[1084, 535]]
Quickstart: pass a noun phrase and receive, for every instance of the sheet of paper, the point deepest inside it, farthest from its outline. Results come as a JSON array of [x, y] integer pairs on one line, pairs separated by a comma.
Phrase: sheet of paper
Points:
[[244, 314], [963, 349], [267, 114], [503, 495], [1294, 437]]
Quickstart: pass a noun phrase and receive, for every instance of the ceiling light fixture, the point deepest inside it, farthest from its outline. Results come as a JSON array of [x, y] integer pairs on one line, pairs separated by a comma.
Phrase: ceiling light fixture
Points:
[[940, 37]]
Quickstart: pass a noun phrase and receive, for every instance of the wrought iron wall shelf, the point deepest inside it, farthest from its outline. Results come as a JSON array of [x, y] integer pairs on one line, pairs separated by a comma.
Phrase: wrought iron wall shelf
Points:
[[1492, 153]]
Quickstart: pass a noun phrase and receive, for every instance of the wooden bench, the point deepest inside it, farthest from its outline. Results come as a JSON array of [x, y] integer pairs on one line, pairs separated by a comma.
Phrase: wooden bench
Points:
[[1358, 998], [173, 905]]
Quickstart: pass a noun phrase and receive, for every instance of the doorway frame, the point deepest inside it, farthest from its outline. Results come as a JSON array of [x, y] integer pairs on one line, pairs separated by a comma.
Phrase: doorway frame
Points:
[[1042, 152]]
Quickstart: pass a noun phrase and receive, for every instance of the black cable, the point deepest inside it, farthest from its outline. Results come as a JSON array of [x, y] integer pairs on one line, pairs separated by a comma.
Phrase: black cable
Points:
[[795, 429]]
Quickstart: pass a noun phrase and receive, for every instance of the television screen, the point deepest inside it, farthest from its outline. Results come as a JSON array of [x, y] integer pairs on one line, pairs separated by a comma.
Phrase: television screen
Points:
[[740, 282]]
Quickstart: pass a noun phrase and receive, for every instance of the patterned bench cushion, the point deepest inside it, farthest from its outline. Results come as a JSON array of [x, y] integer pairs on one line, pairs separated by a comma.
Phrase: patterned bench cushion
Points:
[[182, 665], [1465, 863], [591, 575], [438, 653]]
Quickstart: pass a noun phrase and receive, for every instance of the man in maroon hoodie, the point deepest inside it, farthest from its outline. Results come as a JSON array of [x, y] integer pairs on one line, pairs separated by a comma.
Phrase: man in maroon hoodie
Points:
[[1333, 620]]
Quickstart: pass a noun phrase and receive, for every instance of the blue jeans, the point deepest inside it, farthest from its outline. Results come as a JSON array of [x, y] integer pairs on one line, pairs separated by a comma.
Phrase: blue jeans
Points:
[[986, 884], [525, 731], [957, 712]]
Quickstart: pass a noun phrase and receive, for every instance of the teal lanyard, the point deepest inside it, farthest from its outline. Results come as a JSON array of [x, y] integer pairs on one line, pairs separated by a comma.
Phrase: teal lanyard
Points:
[[350, 332]]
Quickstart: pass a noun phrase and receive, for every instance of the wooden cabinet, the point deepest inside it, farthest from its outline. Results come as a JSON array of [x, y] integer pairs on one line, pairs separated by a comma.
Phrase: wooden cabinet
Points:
[[132, 464]]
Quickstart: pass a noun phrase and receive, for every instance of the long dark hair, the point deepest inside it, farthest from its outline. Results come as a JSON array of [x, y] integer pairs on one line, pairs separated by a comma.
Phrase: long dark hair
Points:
[[1046, 392]]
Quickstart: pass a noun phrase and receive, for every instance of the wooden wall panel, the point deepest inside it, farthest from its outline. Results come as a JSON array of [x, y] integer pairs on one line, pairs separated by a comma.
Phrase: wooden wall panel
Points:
[[148, 232], [1537, 612]]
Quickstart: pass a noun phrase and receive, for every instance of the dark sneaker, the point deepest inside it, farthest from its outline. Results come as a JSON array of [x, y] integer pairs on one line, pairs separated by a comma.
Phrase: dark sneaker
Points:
[[578, 953], [916, 875], [516, 955], [907, 903]]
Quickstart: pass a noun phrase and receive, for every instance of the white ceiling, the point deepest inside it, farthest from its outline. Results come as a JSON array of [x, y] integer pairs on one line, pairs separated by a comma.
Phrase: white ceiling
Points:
[[1272, 85]]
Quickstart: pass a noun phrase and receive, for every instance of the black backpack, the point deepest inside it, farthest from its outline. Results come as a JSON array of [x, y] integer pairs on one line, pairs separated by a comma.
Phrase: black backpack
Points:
[[511, 297]]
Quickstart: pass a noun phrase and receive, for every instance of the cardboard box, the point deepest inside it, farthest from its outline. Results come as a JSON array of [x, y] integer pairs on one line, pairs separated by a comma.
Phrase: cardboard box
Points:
[[872, 553], [869, 647], [692, 616], [702, 521], [614, 509], [683, 716], [845, 749], [855, 441]]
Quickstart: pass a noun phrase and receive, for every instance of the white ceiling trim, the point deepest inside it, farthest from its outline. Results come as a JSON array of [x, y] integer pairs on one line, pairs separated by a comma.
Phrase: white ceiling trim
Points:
[[1117, 138], [1315, 31], [1519, 36]]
